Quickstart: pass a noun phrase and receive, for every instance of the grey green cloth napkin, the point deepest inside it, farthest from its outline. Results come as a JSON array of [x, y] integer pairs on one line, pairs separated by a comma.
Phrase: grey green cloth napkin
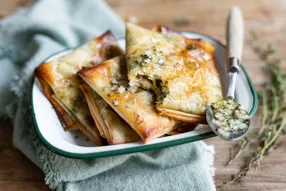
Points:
[[48, 26]]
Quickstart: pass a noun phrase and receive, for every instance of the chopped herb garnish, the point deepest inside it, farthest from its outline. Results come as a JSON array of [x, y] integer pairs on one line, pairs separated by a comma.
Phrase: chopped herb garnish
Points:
[[191, 47], [229, 116], [115, 102], [145, 58], [121, 89], [161, 61]]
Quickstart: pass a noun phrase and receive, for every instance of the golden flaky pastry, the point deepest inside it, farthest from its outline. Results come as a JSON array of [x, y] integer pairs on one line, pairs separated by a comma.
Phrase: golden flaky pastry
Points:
[[180, 71], [135, 106], [60, 83], [109, 123]]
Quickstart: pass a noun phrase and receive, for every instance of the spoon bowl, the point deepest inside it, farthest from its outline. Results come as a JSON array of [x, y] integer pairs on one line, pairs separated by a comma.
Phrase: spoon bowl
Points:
[[235, 135]]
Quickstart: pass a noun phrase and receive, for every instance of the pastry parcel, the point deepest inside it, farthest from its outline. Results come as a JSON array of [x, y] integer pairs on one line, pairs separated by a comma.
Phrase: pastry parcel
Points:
[[60, 83], [134, 105], [108, 122], [180, 71]]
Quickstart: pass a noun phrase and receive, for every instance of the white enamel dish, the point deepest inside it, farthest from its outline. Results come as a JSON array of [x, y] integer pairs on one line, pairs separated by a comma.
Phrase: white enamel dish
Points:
[[73, 144]]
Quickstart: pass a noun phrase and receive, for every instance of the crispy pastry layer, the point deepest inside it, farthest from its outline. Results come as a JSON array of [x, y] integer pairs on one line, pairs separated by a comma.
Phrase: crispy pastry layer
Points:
[[61, 84], [183, 128], [94, 111], [117, 131], [180, 71], [183, 116], [136, 107]]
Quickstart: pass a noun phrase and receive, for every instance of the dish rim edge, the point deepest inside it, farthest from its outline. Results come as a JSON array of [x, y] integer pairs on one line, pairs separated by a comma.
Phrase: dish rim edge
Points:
[[207, 135]]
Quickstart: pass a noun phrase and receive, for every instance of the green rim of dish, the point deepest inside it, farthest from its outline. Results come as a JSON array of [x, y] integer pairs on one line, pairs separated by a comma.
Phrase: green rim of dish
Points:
[[141, 148]]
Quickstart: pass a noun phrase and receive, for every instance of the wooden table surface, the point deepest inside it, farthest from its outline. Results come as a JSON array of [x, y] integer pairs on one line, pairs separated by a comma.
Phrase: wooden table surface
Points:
[[267, 18]]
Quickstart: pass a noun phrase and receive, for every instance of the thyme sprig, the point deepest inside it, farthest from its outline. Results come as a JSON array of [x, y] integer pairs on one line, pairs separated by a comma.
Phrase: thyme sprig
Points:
[[264, 110], [257, 155], [243, 144], [273, 99]]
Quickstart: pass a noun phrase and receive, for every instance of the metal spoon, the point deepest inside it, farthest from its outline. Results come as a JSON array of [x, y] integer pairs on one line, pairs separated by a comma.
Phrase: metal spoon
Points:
[[234, 47]]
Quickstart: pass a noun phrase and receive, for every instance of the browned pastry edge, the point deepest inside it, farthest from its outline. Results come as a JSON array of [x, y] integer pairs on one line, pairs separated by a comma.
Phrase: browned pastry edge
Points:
[[94, 111], [182, 116]]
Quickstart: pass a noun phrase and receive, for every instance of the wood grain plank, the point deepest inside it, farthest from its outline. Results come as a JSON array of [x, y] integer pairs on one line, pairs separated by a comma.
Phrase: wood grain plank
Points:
[[266, 17], [9, 6], [12, 185], [16, 171]]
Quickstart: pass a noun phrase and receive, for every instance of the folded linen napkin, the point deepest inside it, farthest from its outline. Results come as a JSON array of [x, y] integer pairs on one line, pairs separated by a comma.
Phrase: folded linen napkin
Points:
[[47, 26]]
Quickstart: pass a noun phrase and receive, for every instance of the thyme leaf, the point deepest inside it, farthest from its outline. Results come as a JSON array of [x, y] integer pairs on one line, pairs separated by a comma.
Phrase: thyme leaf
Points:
[[273, 107]]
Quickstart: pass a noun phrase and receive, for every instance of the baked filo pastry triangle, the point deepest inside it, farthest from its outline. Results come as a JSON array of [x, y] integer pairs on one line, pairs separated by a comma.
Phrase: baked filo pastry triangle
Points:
[[180, 71], [116, 130], [134, 105], [60, 83]]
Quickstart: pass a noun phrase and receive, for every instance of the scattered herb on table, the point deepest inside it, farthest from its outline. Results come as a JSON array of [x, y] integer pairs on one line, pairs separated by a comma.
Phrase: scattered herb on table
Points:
[[181, 21], [273, 107]]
